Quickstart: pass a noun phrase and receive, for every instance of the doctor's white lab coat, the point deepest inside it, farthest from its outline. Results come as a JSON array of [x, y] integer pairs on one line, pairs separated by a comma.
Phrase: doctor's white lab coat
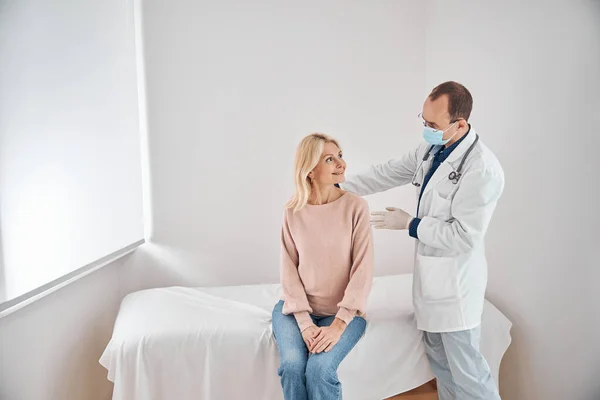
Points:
[[450, 275]]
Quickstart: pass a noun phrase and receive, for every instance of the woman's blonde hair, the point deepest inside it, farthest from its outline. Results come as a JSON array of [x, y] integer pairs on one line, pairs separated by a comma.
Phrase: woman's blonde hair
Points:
[[308, 155]]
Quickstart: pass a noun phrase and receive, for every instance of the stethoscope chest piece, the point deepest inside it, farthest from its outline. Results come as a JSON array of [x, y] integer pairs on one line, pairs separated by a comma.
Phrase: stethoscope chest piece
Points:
[[454, 176]]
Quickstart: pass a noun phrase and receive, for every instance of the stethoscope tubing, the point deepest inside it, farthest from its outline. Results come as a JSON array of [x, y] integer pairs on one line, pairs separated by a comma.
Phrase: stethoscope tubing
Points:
[[454, 176]]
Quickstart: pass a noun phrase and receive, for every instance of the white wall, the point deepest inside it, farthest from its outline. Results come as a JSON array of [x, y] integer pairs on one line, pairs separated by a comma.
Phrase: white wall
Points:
[[70, 169], [49, 350], [534, 71], [232, 88]]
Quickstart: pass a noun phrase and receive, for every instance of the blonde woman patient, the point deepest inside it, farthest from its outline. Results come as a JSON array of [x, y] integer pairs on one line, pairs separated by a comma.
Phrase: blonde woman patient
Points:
[[326, 274]]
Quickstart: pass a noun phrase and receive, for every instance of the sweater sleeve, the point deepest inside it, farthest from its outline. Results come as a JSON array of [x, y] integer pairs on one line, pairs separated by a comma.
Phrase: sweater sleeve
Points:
[[295, 301], [361, 272]]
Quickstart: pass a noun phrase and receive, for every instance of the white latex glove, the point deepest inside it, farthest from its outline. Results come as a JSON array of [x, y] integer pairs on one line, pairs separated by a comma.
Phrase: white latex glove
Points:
[[393, 218]]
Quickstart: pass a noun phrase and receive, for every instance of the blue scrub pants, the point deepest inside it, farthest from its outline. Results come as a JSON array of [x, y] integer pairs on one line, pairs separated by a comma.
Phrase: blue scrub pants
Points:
[[461, 371]]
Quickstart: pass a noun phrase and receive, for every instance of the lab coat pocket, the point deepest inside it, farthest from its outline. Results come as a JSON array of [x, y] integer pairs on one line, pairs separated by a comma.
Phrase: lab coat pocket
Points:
[[438, 278], [440, 207]]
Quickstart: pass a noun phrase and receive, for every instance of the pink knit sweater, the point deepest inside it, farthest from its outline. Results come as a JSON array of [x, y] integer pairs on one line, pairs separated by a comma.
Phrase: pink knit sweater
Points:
[[327, 260]]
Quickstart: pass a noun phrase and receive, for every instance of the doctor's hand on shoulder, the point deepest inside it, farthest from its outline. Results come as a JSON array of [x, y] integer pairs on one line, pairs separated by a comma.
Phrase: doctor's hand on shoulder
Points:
[[392, 218]]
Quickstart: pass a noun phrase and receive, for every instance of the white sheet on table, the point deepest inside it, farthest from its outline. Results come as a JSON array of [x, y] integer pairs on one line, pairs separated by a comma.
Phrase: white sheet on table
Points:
[[216, 343]]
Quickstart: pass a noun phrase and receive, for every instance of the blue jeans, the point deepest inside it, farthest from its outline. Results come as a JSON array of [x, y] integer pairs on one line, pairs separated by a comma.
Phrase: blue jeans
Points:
[[460, 369], [307, 376]]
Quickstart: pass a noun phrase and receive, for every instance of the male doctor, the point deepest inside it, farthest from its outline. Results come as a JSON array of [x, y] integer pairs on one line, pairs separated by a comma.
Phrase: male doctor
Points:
[[458, 181]]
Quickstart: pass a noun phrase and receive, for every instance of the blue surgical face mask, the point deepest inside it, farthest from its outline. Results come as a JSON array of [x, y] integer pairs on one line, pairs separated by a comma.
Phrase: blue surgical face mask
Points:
[[436, 136]]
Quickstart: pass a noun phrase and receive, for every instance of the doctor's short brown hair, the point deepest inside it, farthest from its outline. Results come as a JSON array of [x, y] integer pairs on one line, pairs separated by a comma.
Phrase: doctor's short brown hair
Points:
[[460, 102]]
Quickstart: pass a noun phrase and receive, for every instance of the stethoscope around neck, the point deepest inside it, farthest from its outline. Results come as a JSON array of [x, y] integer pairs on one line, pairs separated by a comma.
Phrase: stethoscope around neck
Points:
[[454, 176]]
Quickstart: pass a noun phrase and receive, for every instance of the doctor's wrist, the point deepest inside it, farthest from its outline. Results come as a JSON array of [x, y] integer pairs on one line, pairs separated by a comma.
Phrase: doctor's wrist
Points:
[[414, 228]]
